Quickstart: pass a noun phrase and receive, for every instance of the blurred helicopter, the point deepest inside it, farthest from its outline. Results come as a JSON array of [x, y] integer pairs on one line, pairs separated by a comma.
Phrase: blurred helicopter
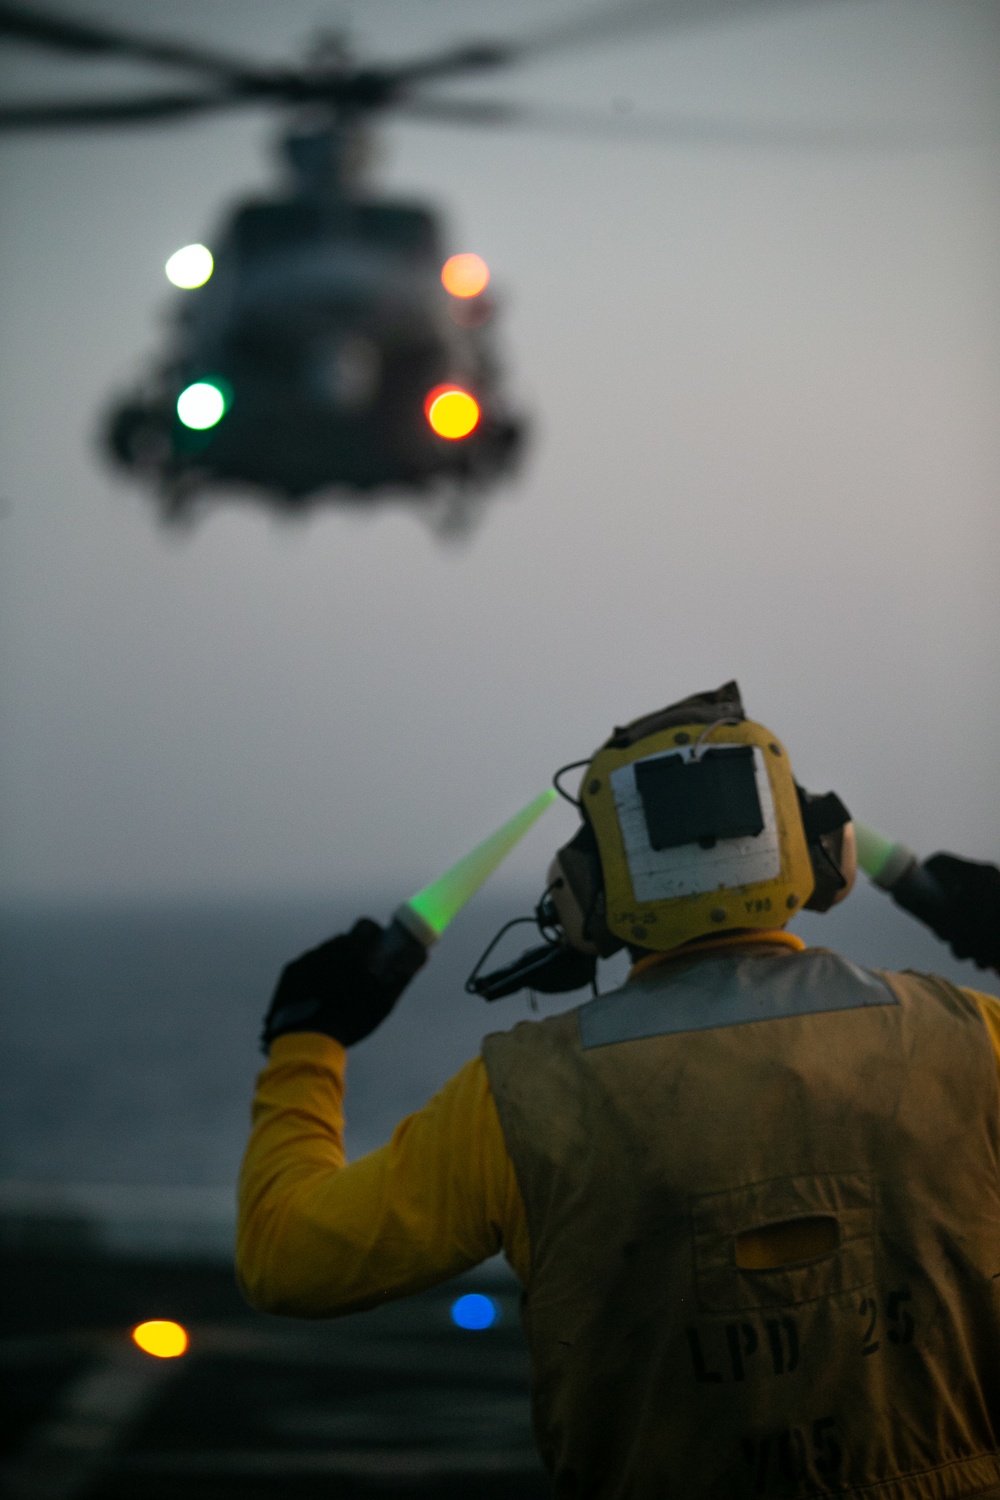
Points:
[[325, 347], [330, 344], [325, 343]]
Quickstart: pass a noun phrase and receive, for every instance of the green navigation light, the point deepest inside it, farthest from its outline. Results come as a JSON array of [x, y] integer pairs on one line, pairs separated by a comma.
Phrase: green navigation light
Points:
[[203, 404], [427, 914]]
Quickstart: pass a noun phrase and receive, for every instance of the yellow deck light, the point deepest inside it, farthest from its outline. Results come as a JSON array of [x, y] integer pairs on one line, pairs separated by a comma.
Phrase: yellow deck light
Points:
[[161, 1338]]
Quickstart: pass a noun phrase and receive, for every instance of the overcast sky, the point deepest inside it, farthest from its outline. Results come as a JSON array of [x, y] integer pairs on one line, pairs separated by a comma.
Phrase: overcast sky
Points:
[[763, 381]]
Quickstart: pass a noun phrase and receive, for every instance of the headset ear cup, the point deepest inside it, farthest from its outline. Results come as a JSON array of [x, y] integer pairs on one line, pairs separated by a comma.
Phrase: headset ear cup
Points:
[[832, 849], [576, 884], [569, 910], [835, 864]]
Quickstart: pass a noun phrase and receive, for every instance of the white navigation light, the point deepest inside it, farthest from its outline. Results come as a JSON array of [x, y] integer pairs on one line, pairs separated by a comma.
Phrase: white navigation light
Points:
[[190, 266], [201, 405]]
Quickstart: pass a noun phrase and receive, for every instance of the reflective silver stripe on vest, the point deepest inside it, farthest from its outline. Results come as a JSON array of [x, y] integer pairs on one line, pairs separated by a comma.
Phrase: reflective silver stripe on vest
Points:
[[729, 991]]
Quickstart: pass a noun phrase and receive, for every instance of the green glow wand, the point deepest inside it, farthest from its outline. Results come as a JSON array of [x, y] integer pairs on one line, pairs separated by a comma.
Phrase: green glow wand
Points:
[[881, 858], [426, 915], [420, 921], [897, 870]]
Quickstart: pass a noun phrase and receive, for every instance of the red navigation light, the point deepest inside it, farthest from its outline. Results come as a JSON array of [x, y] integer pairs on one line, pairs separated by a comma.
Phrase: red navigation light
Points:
[[451, 412]]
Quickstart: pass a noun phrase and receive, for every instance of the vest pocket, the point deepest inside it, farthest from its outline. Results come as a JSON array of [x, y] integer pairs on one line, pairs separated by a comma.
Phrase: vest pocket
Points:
[[790, 1242], [784, 1241]]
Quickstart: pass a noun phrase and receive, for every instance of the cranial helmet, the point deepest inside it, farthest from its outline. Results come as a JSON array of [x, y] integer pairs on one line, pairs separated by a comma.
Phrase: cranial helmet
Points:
[[693, 825]]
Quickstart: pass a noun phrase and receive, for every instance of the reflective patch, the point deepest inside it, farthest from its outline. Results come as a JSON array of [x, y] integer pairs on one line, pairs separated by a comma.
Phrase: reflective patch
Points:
[[729, 991], [688, 869]]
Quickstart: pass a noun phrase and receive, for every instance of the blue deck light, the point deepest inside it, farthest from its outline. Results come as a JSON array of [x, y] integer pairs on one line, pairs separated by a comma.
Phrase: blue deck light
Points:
[[474, 1311]]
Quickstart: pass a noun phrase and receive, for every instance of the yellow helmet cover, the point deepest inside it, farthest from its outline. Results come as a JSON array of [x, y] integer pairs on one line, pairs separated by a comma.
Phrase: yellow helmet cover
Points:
[[697, 823]]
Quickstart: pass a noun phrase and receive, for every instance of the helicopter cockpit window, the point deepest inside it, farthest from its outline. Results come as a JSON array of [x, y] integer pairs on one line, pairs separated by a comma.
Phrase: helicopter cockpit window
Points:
[[398, 228], [259, 228], [263, 228]]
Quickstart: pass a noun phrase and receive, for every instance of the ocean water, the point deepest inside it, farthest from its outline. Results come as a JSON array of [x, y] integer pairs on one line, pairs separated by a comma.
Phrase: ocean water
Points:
[[128, 1047]]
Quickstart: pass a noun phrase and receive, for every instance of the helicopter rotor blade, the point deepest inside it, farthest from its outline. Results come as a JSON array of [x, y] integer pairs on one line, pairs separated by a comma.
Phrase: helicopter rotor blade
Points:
[[494, 114], [618, 22], [668, 130], [64, 35], [353, 93], [360, 90], [471, 57], [84, 112], [475, 112], [601, 24]]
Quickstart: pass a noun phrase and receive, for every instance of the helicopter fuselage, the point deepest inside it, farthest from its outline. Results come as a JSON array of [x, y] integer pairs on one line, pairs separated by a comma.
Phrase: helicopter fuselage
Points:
[[326, 326]]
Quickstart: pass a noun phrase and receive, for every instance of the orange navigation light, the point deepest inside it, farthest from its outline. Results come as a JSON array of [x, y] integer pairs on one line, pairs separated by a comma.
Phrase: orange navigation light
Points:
[[161, 1338], [451, 412], [465, 275]]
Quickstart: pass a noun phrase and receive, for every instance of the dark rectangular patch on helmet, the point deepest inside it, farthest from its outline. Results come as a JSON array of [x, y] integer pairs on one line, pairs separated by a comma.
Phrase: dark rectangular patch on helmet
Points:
[[700, 801]]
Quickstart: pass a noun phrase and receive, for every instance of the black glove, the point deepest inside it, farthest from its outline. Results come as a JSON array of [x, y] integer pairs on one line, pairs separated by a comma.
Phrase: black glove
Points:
[[345, 987], [969, 916]]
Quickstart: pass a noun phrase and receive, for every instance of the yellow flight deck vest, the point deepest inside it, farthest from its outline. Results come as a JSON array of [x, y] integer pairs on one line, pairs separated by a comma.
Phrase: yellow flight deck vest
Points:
[[763, 1196]]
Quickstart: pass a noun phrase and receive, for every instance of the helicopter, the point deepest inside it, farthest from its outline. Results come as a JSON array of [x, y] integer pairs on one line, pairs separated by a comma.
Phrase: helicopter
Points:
[[332, 343], [328, 346]]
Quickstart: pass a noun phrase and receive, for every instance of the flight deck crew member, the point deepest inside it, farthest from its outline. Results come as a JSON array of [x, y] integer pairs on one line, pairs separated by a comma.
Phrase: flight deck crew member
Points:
[[752, 1196]]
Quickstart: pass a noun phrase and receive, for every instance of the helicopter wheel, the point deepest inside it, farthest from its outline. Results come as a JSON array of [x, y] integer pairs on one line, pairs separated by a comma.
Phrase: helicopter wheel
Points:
[[178, 499], [455, 515]]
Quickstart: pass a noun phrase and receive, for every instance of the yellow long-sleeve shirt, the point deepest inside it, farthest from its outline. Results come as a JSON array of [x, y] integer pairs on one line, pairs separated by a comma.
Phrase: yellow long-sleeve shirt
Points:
[[317, 1237]]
